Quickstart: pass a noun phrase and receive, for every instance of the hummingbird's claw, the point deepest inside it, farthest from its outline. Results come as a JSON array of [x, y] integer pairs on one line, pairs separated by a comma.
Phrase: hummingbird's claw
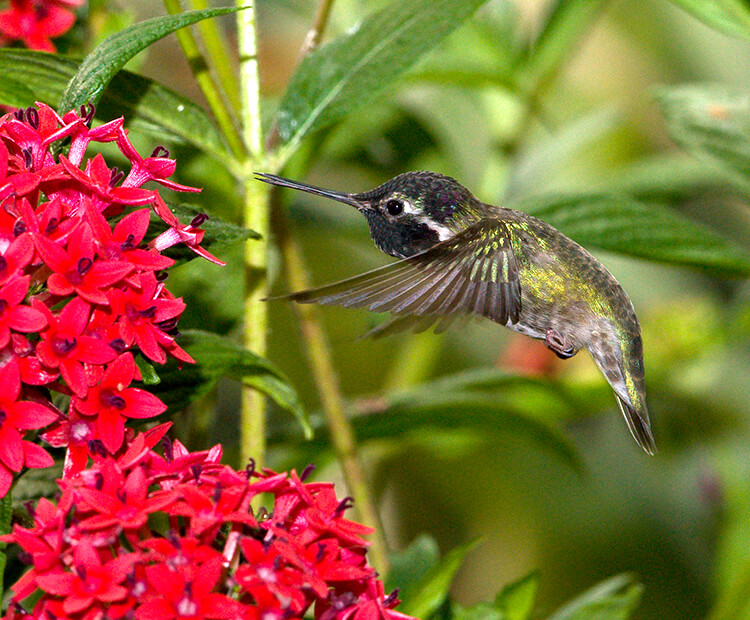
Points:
[[559, 345]]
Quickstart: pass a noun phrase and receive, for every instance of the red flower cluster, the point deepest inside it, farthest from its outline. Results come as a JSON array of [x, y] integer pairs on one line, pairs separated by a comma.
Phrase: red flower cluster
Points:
[[77, 296], [97, 553], [35, 22]]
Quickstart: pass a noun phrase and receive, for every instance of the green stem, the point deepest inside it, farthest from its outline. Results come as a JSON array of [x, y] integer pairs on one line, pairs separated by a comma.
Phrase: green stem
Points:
[[206, 83], [219, 56], [319, 352], [255, 217], [327, 383], [312, 40]]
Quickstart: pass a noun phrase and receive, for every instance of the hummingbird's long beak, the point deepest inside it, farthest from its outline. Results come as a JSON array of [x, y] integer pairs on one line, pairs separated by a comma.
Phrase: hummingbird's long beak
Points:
[[311, 189]]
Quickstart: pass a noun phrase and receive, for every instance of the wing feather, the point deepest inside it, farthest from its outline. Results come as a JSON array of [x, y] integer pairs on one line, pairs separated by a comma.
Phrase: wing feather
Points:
[[474, 272]]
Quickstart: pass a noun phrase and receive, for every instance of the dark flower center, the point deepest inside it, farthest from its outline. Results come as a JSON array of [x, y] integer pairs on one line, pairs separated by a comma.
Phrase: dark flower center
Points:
[[167, 325], [148, 313], [63, 346], [87, 113], [391, 598], [344, 505], [160, 151], [115, 176], [32, 117], [51, 226], [128, 244], [84, 266], [19, 228], [96, 446], [28, 157], [198, 220], [109, 399]]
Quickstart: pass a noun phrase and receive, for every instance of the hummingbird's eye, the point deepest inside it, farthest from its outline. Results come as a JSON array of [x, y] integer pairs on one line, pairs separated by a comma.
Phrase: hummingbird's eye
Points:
[[394, 207]]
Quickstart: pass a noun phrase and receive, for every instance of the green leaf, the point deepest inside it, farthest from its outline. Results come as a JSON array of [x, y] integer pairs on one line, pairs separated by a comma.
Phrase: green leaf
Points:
[[728, 16], [619, 224], [218, 357], [711, 121], [15, 93], [148, 372], [666, 178], [433, 588], [6, 512], [146, 105], [411, 565], [480, 611], [517, 599], [613, 599], [101, 65], [566, 21], [358, 66], [462, 401], [450, 411]]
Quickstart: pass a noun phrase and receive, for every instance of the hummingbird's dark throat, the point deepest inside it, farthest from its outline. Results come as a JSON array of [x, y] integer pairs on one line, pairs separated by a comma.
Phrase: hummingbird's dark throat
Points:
[[310, 189]]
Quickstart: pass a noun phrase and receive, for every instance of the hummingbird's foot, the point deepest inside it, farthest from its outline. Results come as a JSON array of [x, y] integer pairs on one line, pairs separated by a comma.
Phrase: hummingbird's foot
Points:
[[559, 345]]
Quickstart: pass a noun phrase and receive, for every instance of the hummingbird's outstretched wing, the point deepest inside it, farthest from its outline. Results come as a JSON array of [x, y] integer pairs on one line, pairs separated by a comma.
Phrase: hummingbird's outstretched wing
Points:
[[474, 272]]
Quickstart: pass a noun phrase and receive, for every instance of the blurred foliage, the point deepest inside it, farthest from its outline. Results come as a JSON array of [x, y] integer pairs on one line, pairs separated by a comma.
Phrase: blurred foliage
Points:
[[624, 123]]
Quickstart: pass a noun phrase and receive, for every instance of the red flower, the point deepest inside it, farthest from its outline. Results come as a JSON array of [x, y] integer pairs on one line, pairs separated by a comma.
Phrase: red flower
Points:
[[14, 315], [14, 257], [266, 570], [33, 372], [151, 541], [77, 270], [128, 507], [100, 181], [184, 599], [75, 432], [155, 168], [122, 243], [64, 346], [112, 401], [145, 317], [191, 235], [210, 509], [369, 604], [180, 552], [43, 544], [90, 581], [15, 417], [35, 22]]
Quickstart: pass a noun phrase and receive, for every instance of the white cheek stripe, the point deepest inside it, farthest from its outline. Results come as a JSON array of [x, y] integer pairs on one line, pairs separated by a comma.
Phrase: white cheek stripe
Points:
[[443, 232]]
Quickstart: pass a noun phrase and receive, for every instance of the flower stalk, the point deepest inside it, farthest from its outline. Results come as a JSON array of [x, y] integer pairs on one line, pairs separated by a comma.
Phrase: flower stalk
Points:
[[255, 217]]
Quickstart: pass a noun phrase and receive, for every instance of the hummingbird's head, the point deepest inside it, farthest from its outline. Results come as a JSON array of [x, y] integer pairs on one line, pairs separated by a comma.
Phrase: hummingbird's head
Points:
[[408, 214]]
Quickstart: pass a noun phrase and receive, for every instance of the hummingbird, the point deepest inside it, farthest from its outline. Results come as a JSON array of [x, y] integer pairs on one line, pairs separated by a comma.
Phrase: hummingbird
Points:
[[459, 257]]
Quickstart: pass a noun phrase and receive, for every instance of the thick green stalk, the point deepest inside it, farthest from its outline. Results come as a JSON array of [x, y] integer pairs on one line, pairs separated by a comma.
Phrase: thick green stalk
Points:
[[218, 54], [256, 217], [206, 83]]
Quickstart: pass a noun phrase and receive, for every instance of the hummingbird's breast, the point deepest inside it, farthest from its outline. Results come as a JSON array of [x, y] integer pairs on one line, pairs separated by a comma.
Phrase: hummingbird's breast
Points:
[[564, 287]]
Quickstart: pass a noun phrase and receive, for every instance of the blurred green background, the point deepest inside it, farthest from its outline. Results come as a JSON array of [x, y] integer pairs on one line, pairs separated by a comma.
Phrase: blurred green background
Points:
[[525, 451]]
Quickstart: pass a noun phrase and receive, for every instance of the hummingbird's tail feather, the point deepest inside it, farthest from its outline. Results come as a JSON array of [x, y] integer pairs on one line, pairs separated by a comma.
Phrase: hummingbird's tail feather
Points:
[[639, 426]]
